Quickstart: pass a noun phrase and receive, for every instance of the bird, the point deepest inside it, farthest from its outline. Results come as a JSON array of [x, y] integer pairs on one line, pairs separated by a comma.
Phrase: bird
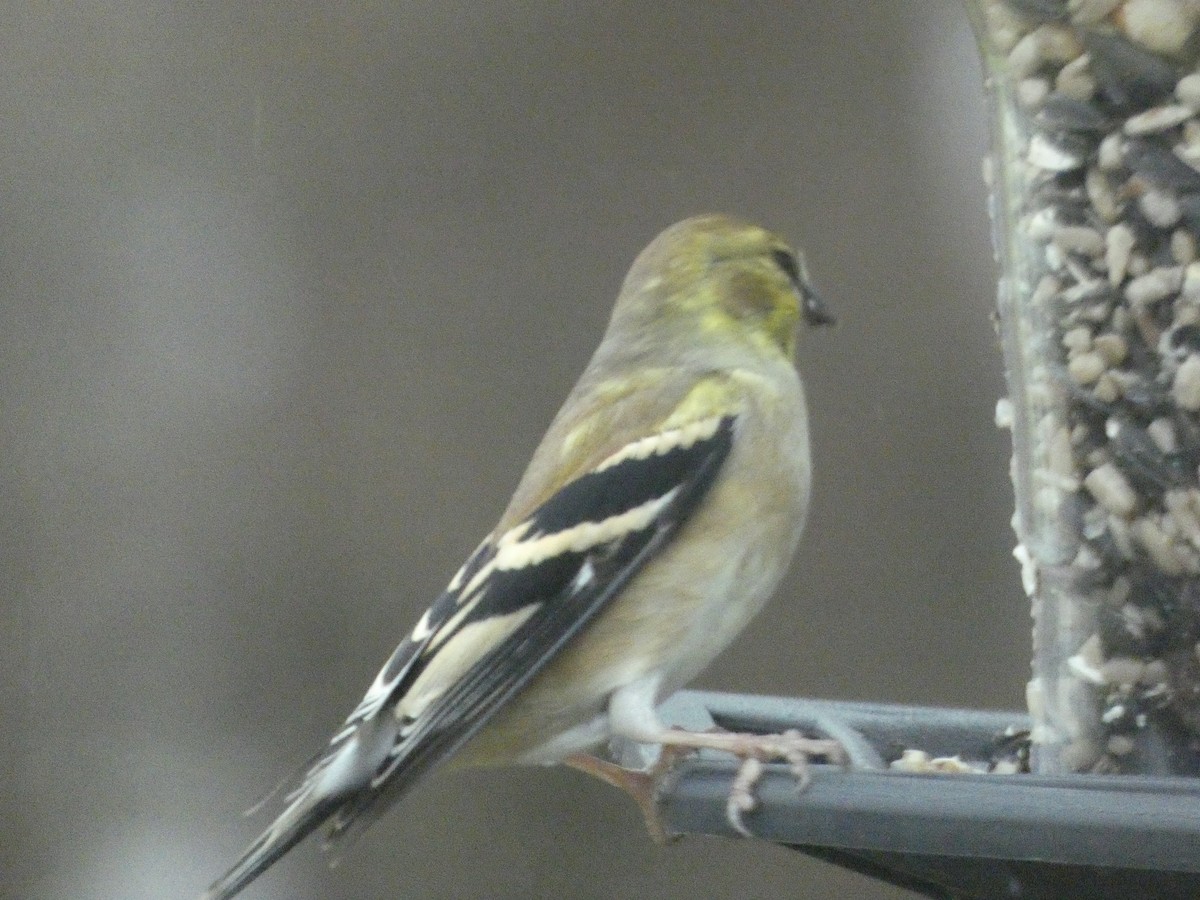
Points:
[[656, 517]]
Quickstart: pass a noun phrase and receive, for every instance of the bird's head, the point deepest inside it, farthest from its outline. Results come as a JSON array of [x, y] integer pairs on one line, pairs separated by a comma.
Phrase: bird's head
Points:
[[726, 277]]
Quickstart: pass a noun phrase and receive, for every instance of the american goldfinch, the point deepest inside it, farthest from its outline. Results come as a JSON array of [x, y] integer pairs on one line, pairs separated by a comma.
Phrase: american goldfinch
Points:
[[656, 517]]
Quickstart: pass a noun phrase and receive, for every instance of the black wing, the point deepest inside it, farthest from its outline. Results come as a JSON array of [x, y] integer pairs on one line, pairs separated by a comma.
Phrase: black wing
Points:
[[518, 600], [559, 567]]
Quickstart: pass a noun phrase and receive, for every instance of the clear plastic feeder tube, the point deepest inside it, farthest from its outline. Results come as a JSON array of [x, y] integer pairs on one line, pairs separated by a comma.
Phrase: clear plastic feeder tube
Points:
[[1096, 207]]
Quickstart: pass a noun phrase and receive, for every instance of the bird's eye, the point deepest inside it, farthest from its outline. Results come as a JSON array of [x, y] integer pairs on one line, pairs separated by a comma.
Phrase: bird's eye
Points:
[[787, 262]]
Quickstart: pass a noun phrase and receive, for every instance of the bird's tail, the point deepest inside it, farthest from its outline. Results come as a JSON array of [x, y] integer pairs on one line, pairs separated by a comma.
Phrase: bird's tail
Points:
[[342, 777], [303, 815]]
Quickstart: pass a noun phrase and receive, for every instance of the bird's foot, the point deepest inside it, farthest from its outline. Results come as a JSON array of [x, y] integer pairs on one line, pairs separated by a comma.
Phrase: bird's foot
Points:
[[755, 750], [643, 785]]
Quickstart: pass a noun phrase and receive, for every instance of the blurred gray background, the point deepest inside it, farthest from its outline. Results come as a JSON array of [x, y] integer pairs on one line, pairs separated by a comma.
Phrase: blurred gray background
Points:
[[289, 292]]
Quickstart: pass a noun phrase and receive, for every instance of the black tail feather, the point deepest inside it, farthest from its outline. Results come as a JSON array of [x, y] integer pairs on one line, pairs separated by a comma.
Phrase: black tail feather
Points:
[[298, 821]]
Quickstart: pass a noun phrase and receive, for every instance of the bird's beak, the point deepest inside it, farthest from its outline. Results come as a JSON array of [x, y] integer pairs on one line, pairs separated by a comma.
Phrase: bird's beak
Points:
[[812, 306]]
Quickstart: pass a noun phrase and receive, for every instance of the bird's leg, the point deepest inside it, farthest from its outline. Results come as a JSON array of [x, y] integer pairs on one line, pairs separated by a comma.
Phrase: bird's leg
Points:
[[632, 715], [640, 784], [754, 750]]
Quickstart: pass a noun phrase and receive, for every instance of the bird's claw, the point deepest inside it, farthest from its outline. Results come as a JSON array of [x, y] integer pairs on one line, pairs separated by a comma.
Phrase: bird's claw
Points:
[[790, 747], [741, 799]]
